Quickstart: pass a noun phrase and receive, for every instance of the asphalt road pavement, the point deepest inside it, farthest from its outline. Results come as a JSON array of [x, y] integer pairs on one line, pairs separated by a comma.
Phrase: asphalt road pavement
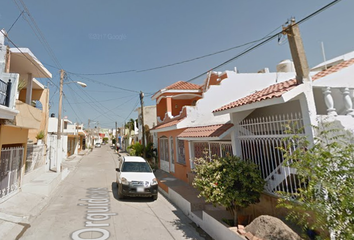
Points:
[[85, 206]]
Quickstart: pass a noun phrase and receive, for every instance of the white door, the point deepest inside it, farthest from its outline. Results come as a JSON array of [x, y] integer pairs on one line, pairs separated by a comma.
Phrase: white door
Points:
[[164, 163], [172, 157]]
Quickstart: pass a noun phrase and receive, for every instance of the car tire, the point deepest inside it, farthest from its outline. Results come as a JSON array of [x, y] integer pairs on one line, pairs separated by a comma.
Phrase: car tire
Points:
[[154, 197], [120, 192]]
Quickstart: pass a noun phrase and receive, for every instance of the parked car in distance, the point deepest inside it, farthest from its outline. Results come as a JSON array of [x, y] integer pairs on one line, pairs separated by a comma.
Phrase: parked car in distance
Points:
[[135, 178], [97, 145]]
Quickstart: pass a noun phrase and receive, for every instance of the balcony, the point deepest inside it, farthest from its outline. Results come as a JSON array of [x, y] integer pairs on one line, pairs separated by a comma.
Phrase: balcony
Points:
[[8, 83], [28, 117]]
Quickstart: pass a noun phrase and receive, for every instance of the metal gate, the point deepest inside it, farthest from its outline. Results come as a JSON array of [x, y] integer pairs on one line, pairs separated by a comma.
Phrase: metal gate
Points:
[[261, 140], [10, 170]]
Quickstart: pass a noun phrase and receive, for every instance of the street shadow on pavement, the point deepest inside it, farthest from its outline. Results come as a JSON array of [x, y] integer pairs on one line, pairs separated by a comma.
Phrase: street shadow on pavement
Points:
[[128, 199], [186, 227]]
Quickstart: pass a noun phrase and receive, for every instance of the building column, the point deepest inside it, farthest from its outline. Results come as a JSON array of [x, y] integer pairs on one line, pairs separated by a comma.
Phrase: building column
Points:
[[331, 111], [348, 103], [29, 88], [191, 154], [169, 107]]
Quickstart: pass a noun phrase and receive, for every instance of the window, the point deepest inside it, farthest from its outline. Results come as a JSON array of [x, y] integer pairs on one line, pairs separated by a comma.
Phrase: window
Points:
[[136, 167], [181, 154]]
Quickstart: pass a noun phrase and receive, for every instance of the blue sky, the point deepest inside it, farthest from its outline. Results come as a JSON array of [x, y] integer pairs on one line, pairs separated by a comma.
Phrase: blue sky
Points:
[[94, 37]]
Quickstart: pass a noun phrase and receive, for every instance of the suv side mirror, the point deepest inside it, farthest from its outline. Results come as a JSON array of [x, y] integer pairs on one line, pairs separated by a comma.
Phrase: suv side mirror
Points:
[[117, 169]]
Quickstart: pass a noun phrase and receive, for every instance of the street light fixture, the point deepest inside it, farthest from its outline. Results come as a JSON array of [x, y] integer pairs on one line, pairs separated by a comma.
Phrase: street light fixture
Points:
[[59, 146]]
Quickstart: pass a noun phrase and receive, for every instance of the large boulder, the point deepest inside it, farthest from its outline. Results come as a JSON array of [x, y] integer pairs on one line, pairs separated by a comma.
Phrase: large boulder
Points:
[[271, 228]]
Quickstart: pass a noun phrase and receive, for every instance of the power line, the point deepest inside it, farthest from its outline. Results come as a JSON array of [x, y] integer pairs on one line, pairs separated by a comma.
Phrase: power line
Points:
[[108, 100], [267, 39], [92, 99], [318, 11], [105, 84], [101, 74], [96, 108], [172, 64], [15, 21], [34, 63], [117, 107], [41, 36], [72, 108], [136, 104], [204, 56]]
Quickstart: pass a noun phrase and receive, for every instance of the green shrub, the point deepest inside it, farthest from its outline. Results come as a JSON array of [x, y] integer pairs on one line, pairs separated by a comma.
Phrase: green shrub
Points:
[[326, 169], [229, 181]]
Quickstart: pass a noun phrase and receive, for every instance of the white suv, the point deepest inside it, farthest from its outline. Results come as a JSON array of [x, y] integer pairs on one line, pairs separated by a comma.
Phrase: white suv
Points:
[[135, 178]]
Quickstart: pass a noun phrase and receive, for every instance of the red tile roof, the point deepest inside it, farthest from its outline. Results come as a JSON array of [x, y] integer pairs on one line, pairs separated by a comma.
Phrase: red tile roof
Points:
[[277, 90], [168, 122], [333, 69], [181, 85], [206, 131]]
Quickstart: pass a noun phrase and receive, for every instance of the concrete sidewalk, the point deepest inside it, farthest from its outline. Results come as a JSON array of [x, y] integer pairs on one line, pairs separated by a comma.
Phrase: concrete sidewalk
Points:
[[17, 212]]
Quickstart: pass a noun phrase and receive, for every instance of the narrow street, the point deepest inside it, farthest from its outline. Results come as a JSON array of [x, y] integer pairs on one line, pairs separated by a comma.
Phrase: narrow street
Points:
[[86, 206]]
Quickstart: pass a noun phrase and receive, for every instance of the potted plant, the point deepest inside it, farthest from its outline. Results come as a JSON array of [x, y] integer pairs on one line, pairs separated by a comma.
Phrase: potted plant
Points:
[[39, 137]]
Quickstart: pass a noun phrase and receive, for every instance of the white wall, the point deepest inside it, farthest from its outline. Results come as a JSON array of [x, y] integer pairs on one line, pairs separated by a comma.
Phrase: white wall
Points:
[[53, 125], [236, 86]]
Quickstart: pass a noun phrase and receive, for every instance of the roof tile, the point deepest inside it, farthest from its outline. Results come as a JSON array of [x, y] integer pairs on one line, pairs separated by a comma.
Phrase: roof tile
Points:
[[277, 90], [181, 85], [206, 131]]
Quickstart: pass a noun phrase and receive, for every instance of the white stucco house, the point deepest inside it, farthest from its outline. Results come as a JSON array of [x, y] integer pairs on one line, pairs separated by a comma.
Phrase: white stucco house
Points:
[[202, 129], [259, 118], [73, 139]]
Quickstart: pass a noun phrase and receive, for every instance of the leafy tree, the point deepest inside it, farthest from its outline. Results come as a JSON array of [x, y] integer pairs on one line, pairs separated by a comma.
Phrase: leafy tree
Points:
[[130, 124], [136, 149], [228, 181], [325, 170]]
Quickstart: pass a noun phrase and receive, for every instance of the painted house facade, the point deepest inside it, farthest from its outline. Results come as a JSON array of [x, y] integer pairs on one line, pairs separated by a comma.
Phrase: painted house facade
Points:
[[184, 137], [259, 119], [23, 115]]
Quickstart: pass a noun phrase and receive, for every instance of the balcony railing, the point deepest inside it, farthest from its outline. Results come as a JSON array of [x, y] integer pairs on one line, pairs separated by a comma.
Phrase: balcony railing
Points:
[[5, 91]]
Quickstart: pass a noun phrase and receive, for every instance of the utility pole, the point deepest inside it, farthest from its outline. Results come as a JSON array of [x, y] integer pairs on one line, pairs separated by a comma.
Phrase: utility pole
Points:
[[116, 137], [90, 133], [142, 120], [59, 147], [297, 52]]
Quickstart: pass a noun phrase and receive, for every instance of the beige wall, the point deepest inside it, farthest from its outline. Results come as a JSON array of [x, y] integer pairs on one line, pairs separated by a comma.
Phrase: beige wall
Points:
[[43, 96], [13, 136], [28, 117]]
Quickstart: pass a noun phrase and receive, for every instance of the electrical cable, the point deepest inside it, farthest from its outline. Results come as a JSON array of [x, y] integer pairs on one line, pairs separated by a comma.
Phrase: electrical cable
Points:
[[72, 108], [108, 100], [41, 36], [34, 63], [105, 84], [15, 22], [266, 40], [110, 110], [136, 104]]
